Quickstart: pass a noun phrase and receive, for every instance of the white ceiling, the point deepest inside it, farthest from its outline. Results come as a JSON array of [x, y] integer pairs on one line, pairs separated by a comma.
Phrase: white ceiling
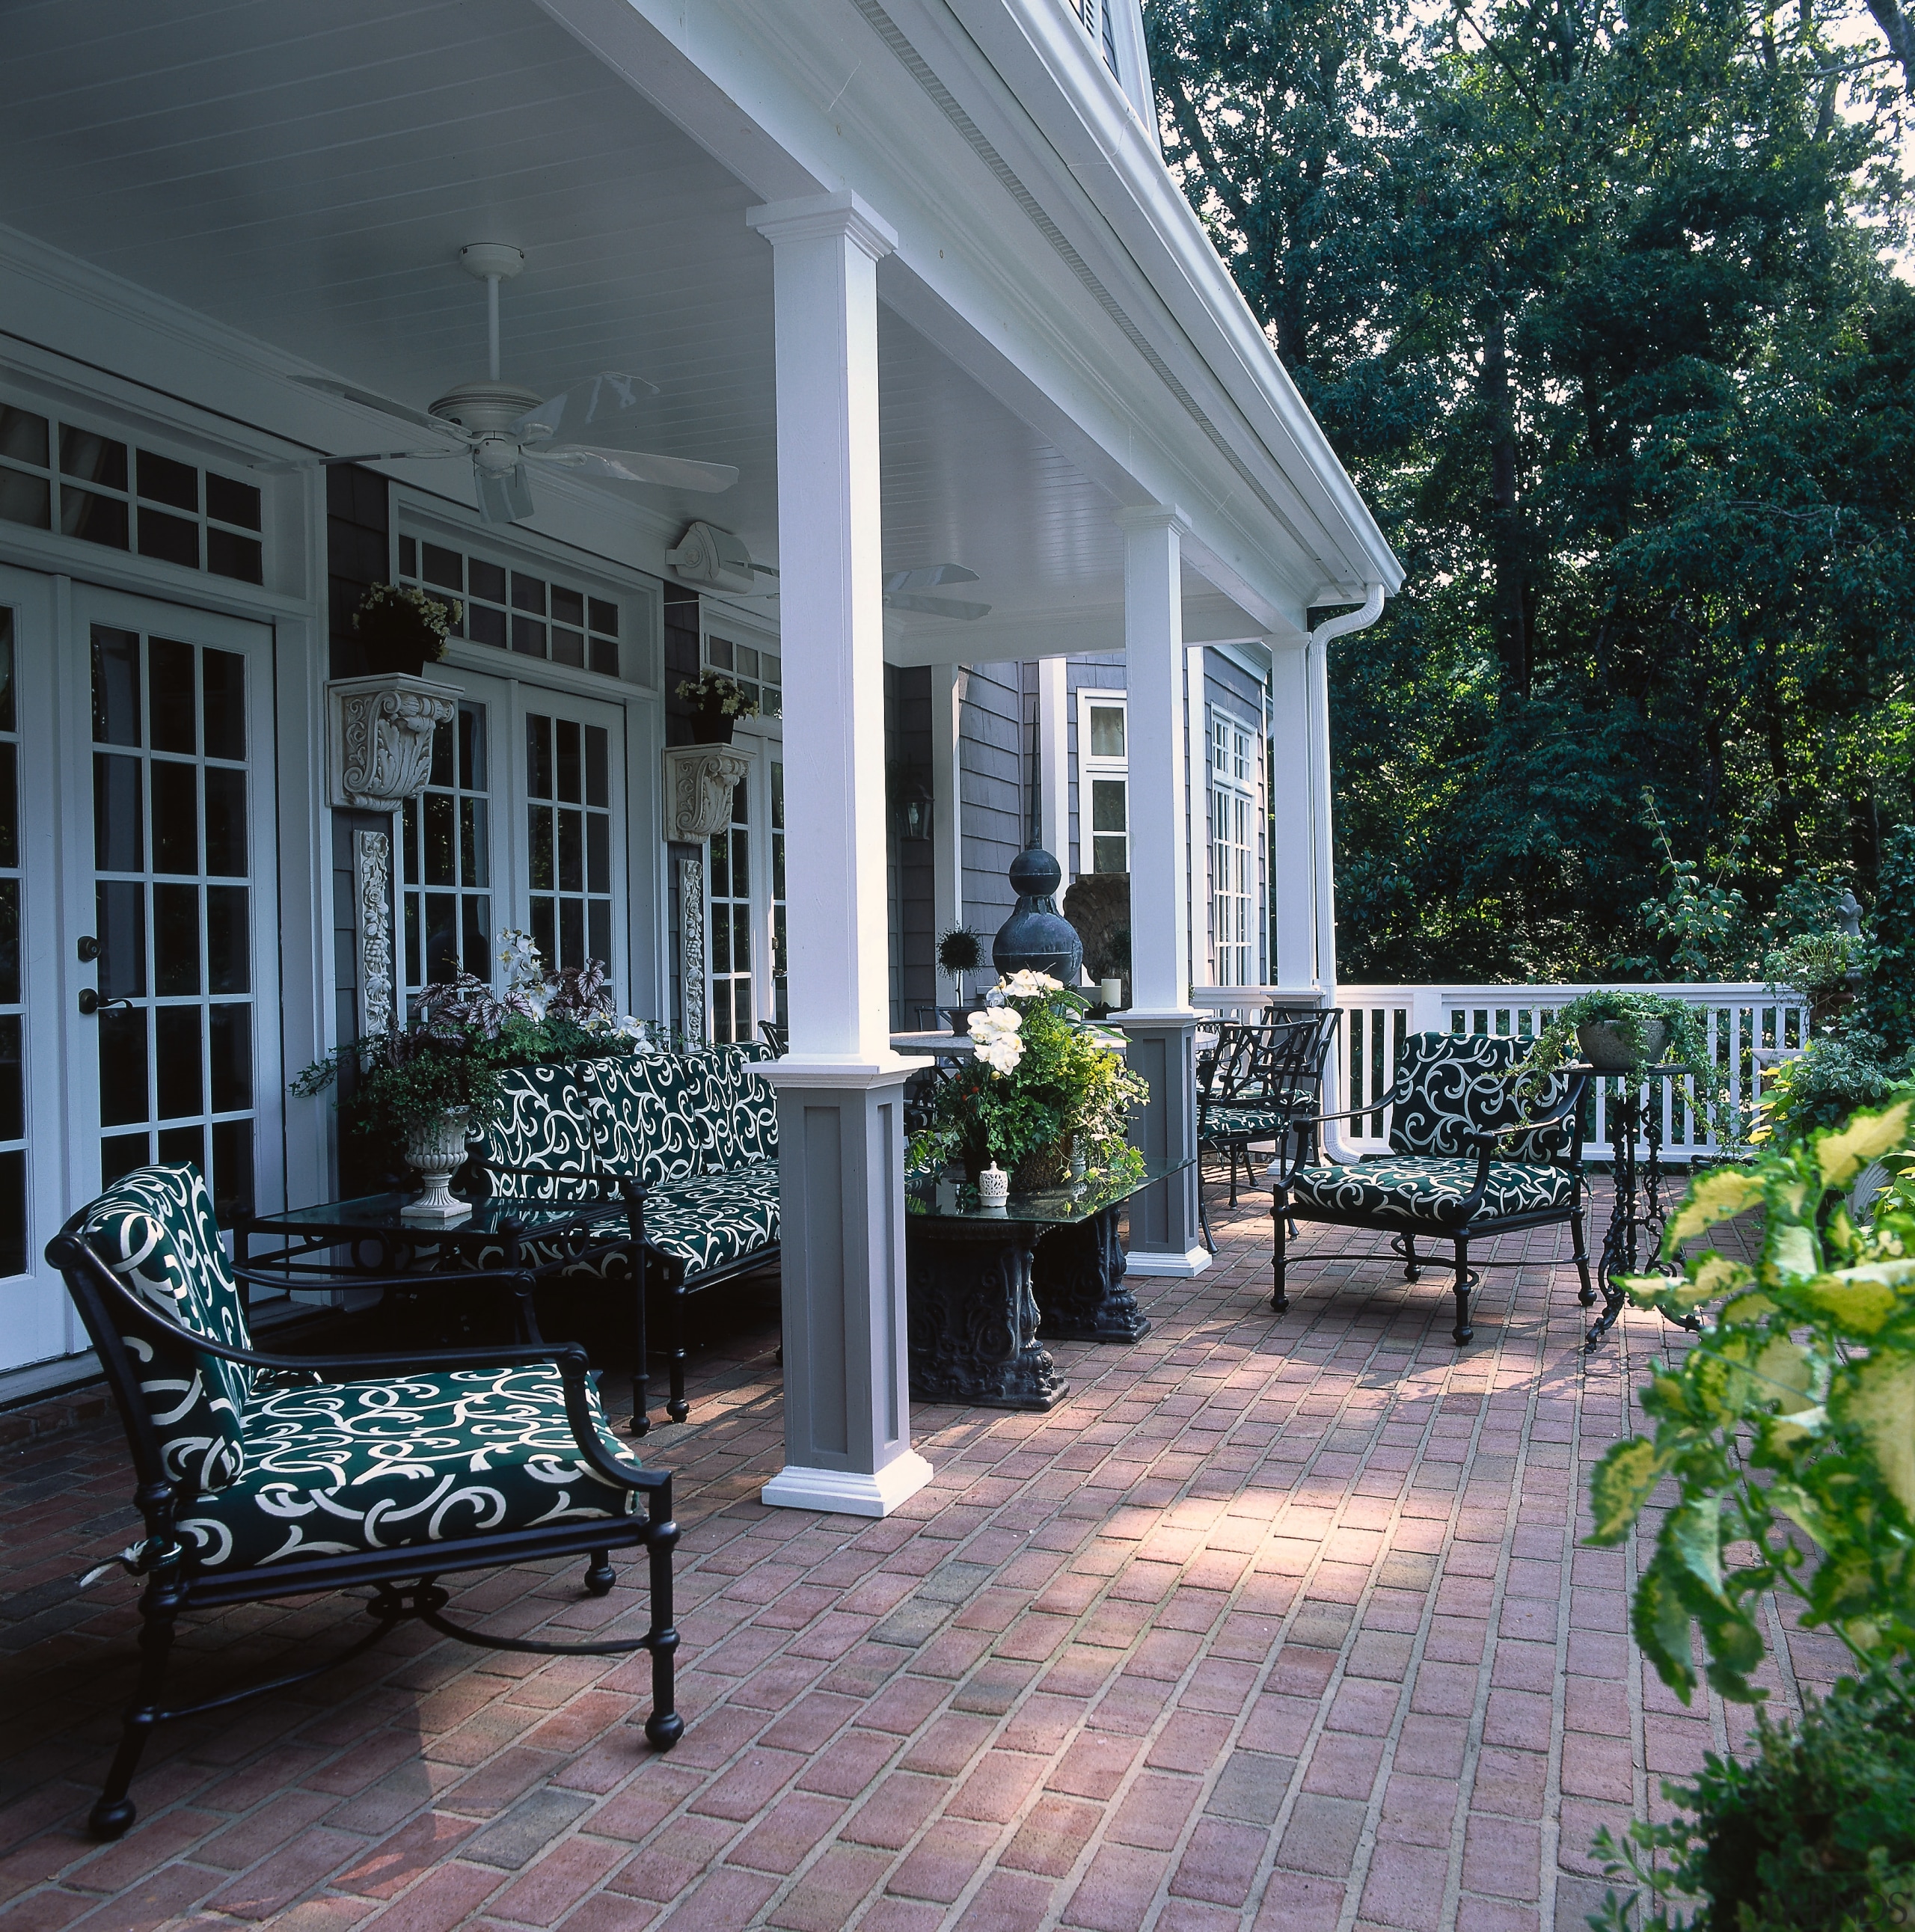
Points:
[[305, 171]]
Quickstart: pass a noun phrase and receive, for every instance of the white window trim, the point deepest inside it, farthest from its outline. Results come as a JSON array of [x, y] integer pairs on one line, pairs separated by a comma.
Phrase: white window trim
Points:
[[1219, 780], [1090, 766]]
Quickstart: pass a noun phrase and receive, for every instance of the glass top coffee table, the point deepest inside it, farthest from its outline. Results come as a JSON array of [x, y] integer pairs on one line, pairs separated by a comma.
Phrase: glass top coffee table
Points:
[[982, 1282]]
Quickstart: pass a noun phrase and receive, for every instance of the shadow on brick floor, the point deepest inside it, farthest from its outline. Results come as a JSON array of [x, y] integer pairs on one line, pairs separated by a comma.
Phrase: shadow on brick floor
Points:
[[1273, 1623]]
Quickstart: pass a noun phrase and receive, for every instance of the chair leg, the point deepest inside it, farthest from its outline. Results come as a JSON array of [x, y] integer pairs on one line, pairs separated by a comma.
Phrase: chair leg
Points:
[[1233, 1170], [641, 1422], [677, 1407], [1203, 1209], [1463, 1330], [1587, 1293], [1412, 1271], [1279, 1301], [664, 1727], [599, 1574], [159, 1605]]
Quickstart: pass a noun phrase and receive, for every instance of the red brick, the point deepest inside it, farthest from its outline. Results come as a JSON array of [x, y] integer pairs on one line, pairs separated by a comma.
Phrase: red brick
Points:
[[942, 1861], [1117, 1891], [824, 1899]]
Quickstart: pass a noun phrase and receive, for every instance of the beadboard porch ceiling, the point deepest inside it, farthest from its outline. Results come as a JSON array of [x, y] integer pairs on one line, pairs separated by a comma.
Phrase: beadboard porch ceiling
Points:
[[305, 171]]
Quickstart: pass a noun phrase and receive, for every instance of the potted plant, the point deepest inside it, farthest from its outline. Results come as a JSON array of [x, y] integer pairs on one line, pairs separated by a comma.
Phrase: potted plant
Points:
[[1622, 1032], [401, 630], [718, 703], [959, 951], [1784, 1433], [1039, 1094]]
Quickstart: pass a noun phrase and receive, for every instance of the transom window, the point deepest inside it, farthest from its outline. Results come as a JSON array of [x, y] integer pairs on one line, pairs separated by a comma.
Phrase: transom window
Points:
[[56, 475], [535, 616], [759, 671]]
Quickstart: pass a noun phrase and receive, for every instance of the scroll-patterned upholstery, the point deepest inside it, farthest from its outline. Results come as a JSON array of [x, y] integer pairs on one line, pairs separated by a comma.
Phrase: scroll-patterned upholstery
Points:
[[1457, 1085], [548, 1118], [652, 1132], [424, 1458], [1429, 1188], [156, 1230]]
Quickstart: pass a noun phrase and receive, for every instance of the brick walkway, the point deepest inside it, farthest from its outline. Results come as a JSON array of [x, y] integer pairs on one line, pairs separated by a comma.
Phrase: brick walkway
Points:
[[1272, 1623]]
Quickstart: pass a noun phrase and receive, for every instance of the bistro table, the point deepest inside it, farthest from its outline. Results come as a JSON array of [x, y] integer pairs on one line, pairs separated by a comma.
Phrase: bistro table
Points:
[[980, 1281], [382, 1243], [1632, 1244]]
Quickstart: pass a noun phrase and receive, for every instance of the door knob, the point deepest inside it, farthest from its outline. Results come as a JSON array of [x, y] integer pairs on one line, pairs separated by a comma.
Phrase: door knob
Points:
[[89, 949], [91, 1003]]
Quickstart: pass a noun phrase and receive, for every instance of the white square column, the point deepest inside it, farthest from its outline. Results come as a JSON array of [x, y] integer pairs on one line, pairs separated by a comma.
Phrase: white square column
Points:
[[1161, 1021], [1054, 762], [840, 1087]]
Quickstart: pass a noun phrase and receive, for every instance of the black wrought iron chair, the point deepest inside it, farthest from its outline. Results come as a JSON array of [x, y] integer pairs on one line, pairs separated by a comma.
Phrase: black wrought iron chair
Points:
[[776, 1037], [1254, 1086], [1470, 1158], [264, 1476]]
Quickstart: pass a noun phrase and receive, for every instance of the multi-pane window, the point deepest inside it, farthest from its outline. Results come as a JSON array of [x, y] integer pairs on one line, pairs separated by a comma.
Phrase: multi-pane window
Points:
[[58, 476], [567, 787], [730, 888], [1233, 880], [13, 1009], [779, 1010], [536, 616], [445, 862], [172, 907], [1104, 832], [759, 671]]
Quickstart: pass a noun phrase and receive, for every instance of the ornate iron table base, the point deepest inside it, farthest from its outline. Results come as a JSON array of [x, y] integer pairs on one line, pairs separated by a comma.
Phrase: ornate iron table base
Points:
[[1078, 1282], [1632, 1244], [973, 1319]]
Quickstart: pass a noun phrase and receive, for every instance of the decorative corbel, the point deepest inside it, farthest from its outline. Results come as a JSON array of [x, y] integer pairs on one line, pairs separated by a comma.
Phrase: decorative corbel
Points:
[[381, 748]]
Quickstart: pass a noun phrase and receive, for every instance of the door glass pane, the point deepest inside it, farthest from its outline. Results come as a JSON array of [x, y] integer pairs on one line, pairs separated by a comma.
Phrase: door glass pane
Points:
[[445, 859], [731, 949], [175, 1071], [568, 839]]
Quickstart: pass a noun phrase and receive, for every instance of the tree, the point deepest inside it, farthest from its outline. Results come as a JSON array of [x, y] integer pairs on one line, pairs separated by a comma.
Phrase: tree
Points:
[[1594, 306]]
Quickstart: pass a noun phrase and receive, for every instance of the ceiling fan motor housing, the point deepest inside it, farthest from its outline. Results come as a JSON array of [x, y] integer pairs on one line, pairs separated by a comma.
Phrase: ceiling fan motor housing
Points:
[[486, 408], [707, 555]]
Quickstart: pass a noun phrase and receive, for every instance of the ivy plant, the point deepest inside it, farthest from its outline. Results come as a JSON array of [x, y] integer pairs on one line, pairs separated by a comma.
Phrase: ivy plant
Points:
[[1787, 1431]]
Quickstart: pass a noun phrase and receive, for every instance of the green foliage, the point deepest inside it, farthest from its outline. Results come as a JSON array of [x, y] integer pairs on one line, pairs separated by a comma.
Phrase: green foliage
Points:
[[1818, 963], [1791, 1420], [1820, 1086], [1815, 1832], [1889, 1001], [407, 1075], [1684, 1043], [716, 695], [403, 629], [1594, 303], [960, 950], [1059, 1082]]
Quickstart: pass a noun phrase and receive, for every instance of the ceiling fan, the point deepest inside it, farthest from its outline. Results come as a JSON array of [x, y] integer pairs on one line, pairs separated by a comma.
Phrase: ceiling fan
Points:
[[503, 428], [706, 554]]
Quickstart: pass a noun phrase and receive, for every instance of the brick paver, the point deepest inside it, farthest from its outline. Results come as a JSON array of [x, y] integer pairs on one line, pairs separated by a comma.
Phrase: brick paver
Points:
[[1279, 1623]]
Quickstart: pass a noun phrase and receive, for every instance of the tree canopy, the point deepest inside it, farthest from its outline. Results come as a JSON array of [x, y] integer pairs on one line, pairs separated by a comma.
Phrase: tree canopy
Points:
[[1599, 306]]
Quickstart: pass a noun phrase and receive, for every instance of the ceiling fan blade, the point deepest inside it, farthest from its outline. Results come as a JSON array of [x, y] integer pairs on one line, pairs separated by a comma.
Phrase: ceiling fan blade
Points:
[[936, 606], [930, 578], [503, 498], [286, 466], [367, 399], [589, 412], [639, 465]]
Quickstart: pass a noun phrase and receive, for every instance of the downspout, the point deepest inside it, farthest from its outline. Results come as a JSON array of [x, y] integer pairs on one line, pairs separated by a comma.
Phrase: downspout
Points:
[[1317, 679]]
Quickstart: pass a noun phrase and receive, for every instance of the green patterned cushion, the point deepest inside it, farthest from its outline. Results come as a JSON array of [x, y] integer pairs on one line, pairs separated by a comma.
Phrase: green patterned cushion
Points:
[[1222, 1125], [713, 1075], [757, 1114], [547, 1117], [425, 1458], [1428, 1189], [155, 1229], [652, 1132], [716, 1219], [1457, 1085]]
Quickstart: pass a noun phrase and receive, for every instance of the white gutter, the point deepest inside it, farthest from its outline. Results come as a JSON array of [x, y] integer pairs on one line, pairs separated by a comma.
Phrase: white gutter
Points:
[[1322, 851]]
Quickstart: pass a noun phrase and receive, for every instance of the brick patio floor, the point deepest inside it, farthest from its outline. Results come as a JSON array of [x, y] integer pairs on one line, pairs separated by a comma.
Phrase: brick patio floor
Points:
[[1272, 1623]]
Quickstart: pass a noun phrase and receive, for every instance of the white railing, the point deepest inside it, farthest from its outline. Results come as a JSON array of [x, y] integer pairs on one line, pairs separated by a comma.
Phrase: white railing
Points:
[[1745, 1026]]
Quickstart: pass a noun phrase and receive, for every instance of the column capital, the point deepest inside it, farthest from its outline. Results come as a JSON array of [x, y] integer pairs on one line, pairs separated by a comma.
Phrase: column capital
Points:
[[1151, 517], [815, 217]]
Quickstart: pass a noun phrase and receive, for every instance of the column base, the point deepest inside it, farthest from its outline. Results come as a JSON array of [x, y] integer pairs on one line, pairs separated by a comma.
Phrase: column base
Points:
[[1193, 1261], [847, 1492]]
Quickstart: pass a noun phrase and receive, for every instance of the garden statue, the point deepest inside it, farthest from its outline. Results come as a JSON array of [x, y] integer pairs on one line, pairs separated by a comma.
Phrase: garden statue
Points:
[[1036, 935]]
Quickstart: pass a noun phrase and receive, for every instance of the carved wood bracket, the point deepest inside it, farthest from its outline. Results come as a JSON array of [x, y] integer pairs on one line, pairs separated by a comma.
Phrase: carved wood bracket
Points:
[[380, 749], [699, 780]]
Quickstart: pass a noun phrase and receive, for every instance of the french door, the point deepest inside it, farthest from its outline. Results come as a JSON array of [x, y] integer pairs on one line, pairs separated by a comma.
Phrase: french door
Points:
[[139, 925], [522, 825]]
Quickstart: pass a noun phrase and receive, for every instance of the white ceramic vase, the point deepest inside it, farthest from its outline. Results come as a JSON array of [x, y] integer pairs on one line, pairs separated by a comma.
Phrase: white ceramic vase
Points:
[[993, 1186], [437, 1147]]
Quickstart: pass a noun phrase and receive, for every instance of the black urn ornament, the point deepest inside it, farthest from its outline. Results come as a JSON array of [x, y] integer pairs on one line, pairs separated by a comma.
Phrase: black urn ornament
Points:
[[1036, 935]]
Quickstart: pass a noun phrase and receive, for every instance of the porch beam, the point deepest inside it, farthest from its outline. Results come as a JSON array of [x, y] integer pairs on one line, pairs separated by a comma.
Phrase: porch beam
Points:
[[1161, 1021], [840, 1086]]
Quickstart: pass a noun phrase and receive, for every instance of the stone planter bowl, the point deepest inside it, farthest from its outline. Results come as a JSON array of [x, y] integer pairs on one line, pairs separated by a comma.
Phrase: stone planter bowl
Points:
[[1602, 1046]]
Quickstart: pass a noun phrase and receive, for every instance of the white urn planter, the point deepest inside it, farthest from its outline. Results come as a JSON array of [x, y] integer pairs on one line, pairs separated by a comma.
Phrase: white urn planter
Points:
[[437, 1147], [380, 748], [699, 780]]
